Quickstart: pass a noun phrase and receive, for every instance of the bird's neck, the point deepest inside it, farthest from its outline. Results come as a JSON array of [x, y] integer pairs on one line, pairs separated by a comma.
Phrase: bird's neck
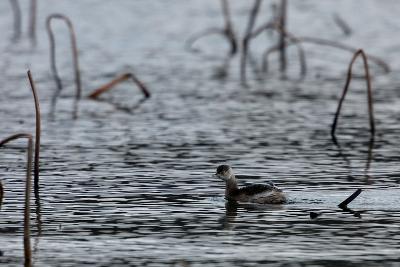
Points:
[[231, 186]]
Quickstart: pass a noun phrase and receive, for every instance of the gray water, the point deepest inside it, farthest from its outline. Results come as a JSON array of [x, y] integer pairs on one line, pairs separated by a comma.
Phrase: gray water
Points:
[[130, 182]]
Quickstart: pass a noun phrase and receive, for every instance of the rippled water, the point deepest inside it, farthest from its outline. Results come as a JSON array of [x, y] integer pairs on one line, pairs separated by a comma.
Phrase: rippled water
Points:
[[130, 182]]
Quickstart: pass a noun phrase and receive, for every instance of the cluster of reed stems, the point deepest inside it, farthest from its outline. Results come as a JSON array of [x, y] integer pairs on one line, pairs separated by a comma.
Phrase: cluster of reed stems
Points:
[[53, 63], [278, 24]]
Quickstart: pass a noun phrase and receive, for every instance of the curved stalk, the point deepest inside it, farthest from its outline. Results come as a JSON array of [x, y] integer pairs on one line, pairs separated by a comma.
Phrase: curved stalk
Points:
[[27, 242]]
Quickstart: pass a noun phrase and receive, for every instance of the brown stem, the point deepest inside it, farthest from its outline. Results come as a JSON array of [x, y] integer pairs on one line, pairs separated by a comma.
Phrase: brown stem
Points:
[[17, 19], [246, 39], [118, 80], [282, 37], [37, 134], [32, 22], [346, 87], [74, 54], [27, 242]]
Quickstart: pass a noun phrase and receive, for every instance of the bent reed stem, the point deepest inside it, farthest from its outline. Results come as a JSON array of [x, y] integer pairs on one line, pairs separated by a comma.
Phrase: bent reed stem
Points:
[[27, 242], [361, 53], [74, 54]]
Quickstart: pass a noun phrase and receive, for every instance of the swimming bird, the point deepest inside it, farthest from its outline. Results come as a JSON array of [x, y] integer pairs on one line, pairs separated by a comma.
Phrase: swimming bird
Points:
[[256, 193]]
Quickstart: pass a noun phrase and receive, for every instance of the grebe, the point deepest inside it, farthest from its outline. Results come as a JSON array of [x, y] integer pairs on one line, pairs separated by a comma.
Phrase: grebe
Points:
[[256, 193]]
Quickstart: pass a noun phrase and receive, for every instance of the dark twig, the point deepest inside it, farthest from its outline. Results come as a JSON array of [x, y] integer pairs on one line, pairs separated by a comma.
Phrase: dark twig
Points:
[[53, 55], [246, 39], [27, 242], [227, 31], [347, 201], [37, 134], [342, 24], [118, 80], [32, 22], [345, 89], [17, 19], [1, 194]]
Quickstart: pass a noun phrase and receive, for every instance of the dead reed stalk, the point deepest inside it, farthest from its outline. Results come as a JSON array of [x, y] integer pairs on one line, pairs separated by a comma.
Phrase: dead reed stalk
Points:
[[246, 39], [345, 89], [27, 242], [227, 32], [53, 54], [16, 10], [37, 134], [118, 80], [282, 37], [32, 22]]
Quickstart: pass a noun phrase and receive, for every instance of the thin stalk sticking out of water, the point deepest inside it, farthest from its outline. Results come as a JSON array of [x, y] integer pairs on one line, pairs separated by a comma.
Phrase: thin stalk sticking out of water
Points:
[[342, 24], [118, 80], [27, 242], [1, 194], [17, 19], [282, 37], [227, 31], [246, 39], [345, 89], [37, 134], [347, 201], [32, 22], [53, 56]]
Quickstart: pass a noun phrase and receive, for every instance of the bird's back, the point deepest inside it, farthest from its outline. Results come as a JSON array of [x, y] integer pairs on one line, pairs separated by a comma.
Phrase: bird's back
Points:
[[260, 193]]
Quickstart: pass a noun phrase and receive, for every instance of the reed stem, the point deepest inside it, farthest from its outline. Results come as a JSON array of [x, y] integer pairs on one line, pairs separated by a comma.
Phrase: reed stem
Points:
[[282, 37], [32, 22], [246, 40], [16, 10], [346, 87], [37, 134], [228, 31], [74, 54]]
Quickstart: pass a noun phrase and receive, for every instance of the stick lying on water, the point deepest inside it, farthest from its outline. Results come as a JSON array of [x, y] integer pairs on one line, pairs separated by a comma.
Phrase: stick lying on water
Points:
[[227, 31], [27, 242], [345, 89], [118, 80], [347, 201]]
